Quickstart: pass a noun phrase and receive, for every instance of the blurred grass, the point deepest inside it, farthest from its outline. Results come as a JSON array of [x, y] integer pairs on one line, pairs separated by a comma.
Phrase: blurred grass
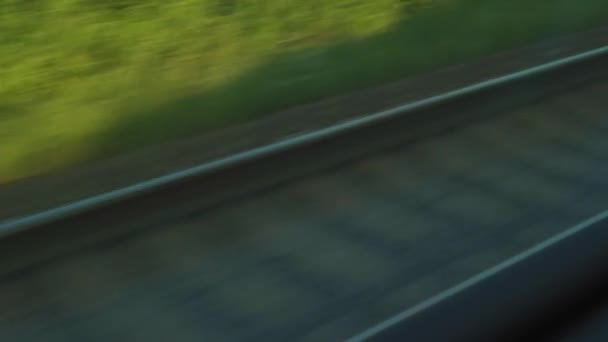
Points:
[[87, 79]]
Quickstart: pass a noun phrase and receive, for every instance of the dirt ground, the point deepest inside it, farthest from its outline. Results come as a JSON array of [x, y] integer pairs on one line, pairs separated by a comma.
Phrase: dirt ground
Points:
[[46, 191]]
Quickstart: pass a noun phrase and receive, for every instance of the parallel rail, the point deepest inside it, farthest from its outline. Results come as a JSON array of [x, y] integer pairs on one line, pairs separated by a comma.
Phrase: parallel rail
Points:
[[489, 295], [529, 297]]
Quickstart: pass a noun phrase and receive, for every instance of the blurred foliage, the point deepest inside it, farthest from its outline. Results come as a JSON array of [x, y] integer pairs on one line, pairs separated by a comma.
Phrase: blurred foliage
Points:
[[83, 79]]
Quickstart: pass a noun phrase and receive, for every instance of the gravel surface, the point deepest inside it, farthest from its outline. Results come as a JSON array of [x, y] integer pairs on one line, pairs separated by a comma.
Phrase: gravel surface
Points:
[[324, 258]]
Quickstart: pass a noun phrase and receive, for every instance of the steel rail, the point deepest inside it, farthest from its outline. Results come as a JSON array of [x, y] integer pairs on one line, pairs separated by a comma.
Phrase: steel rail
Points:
[[530, 296], [12, 226]]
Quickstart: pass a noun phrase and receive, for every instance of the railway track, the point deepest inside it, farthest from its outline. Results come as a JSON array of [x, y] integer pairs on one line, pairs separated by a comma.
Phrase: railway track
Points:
[[319, 239]]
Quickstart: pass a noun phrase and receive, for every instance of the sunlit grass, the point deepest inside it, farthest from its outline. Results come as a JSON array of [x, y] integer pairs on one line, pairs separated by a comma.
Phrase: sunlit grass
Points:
[[85, 79]]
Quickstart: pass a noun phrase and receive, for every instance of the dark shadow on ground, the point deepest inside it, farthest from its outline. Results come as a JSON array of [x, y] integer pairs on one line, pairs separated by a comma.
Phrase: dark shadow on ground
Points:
[[298, 77]]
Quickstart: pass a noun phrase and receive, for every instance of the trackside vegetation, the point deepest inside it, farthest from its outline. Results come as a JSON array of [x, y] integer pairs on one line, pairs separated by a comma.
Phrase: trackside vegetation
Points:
[[87, 79]]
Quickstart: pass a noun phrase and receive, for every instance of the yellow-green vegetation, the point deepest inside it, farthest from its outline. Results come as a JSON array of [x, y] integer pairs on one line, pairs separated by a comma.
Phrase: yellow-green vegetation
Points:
[[85, 79]]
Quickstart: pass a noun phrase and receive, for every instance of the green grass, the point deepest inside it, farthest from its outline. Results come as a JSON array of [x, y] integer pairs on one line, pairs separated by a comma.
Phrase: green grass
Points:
[[87, 79]]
